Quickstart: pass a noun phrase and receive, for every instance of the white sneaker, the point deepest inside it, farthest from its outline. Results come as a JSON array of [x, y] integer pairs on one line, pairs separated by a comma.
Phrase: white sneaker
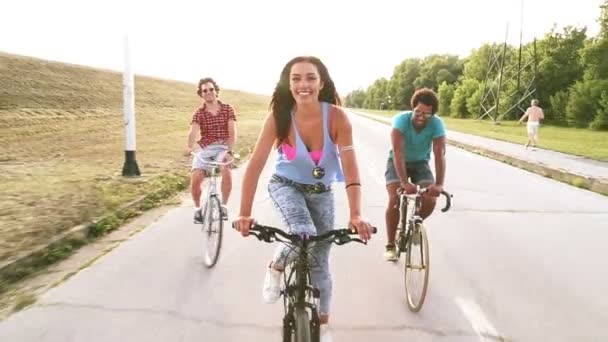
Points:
[[391, 253], [224, 212], [325, 333], [272, 286]]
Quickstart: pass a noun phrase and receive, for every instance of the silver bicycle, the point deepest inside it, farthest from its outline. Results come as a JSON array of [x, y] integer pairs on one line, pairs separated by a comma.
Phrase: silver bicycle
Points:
[[212, 220], [412, 240]]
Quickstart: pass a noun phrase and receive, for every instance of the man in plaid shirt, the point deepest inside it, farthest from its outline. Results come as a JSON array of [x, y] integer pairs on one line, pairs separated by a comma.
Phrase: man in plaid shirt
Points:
[[213, 129]]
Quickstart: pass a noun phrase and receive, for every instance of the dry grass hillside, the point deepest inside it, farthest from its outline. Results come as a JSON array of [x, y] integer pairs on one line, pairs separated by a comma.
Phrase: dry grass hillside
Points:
[[62, 144]]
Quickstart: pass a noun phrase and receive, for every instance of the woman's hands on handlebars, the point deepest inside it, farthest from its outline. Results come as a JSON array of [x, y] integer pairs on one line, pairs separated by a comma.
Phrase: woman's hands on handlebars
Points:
[[361, 226], [243, 224]]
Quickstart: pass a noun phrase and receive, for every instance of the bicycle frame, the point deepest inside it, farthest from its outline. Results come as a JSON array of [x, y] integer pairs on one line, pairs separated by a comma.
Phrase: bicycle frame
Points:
[[297, 292], [405, 200], [211, 188], [214, 173], [411, 211]]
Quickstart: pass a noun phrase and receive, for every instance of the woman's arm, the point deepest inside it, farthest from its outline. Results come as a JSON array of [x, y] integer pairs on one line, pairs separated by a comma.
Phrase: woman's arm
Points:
[[254, 168], [344, 139]]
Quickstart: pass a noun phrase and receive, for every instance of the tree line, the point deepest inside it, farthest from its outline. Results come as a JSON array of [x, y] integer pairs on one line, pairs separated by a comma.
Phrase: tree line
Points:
[[566, 70]]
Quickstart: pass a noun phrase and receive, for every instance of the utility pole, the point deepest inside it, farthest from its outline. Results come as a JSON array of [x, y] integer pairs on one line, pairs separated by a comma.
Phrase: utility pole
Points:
[[130, 167]]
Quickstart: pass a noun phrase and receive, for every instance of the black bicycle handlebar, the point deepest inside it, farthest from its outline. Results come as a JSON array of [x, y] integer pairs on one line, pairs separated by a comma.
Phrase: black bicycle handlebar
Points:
[[448, 201], [337, 236], [447, 195]]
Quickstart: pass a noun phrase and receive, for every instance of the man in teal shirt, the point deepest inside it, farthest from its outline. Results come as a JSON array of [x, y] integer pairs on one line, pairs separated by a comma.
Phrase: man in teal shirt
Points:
[[414, 134]]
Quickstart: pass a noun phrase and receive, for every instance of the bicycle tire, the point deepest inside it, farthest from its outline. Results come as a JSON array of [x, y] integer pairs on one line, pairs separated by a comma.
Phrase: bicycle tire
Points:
[[415, 304], [288, 329], [302, 326], [214, 217], [400, 238]]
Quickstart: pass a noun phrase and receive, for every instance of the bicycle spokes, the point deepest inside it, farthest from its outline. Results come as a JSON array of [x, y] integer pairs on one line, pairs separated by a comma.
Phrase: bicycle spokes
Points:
[[212, 231], [416, 268]]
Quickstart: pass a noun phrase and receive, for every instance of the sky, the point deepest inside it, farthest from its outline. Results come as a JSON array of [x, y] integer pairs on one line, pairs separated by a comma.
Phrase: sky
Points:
[[244, 44]]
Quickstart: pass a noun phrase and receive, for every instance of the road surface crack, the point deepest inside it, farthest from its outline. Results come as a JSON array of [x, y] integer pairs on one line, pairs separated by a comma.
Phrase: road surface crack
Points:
[[272, 328]]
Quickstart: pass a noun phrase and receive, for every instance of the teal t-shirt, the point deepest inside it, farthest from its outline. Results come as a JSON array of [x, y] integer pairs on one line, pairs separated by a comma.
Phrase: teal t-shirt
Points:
[[418, 145]]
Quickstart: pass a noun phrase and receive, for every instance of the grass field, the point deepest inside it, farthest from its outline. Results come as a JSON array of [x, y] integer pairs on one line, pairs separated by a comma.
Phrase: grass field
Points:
[[62, 144], [576, 141]]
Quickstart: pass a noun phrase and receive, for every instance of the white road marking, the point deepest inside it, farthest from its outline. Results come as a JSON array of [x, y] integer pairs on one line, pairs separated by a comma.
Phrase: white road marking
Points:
[[480, 323]]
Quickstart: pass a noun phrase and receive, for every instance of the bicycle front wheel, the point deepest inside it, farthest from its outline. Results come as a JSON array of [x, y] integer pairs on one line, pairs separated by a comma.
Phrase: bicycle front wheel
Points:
[[302, 326], [212, 233], [416, 269]]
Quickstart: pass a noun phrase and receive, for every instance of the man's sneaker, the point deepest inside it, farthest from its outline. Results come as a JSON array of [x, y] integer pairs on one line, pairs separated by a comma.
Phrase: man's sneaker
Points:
[[198, 216], [391, 253], [272, 285], [224, 212], [325, 333]]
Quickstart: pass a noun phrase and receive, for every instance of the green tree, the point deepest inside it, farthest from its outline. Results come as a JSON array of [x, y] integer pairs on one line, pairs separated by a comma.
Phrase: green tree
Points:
[[377, 94], [560, 64], [356, 98], [584, 101], [594, 54], [558, 105], [458, 107], [473, 101], [437, 69], [402, 82], [477, 63], [601, 118], [446, 94]]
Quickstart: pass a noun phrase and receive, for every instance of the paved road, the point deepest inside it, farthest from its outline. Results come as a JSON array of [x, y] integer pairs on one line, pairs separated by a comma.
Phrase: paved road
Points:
[[519, 257]]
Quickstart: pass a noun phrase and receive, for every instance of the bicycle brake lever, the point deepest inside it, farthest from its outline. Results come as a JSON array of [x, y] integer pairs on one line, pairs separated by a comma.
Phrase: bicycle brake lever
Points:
[[346, 239], [256, 234], [268, 238], [338, 242]]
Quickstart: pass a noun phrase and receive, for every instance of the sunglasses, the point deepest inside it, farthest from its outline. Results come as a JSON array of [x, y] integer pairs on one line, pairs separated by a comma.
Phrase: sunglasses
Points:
[[208, 90], [424, 115]]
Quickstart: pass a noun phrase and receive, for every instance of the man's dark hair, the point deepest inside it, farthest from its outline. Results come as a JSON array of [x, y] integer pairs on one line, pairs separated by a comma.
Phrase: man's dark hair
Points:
[[425, 96], [205, 80]]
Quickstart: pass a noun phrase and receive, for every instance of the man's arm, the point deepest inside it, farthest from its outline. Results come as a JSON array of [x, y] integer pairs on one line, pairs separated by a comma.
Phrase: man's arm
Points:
[[195, 131], [439, 153], [231, 134], [397, 142], [523, 117], [231, 129], [193, 135]]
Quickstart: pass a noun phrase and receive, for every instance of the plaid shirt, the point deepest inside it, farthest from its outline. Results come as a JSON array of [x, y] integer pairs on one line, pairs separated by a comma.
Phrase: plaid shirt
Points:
[[214, 128]]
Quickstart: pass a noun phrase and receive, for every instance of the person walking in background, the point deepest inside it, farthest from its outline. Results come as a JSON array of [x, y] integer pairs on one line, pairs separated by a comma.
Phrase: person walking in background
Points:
[[534, 114]]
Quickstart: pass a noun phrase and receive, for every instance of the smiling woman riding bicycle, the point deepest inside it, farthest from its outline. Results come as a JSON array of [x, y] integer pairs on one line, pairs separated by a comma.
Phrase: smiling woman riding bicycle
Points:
[[313, 137]]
